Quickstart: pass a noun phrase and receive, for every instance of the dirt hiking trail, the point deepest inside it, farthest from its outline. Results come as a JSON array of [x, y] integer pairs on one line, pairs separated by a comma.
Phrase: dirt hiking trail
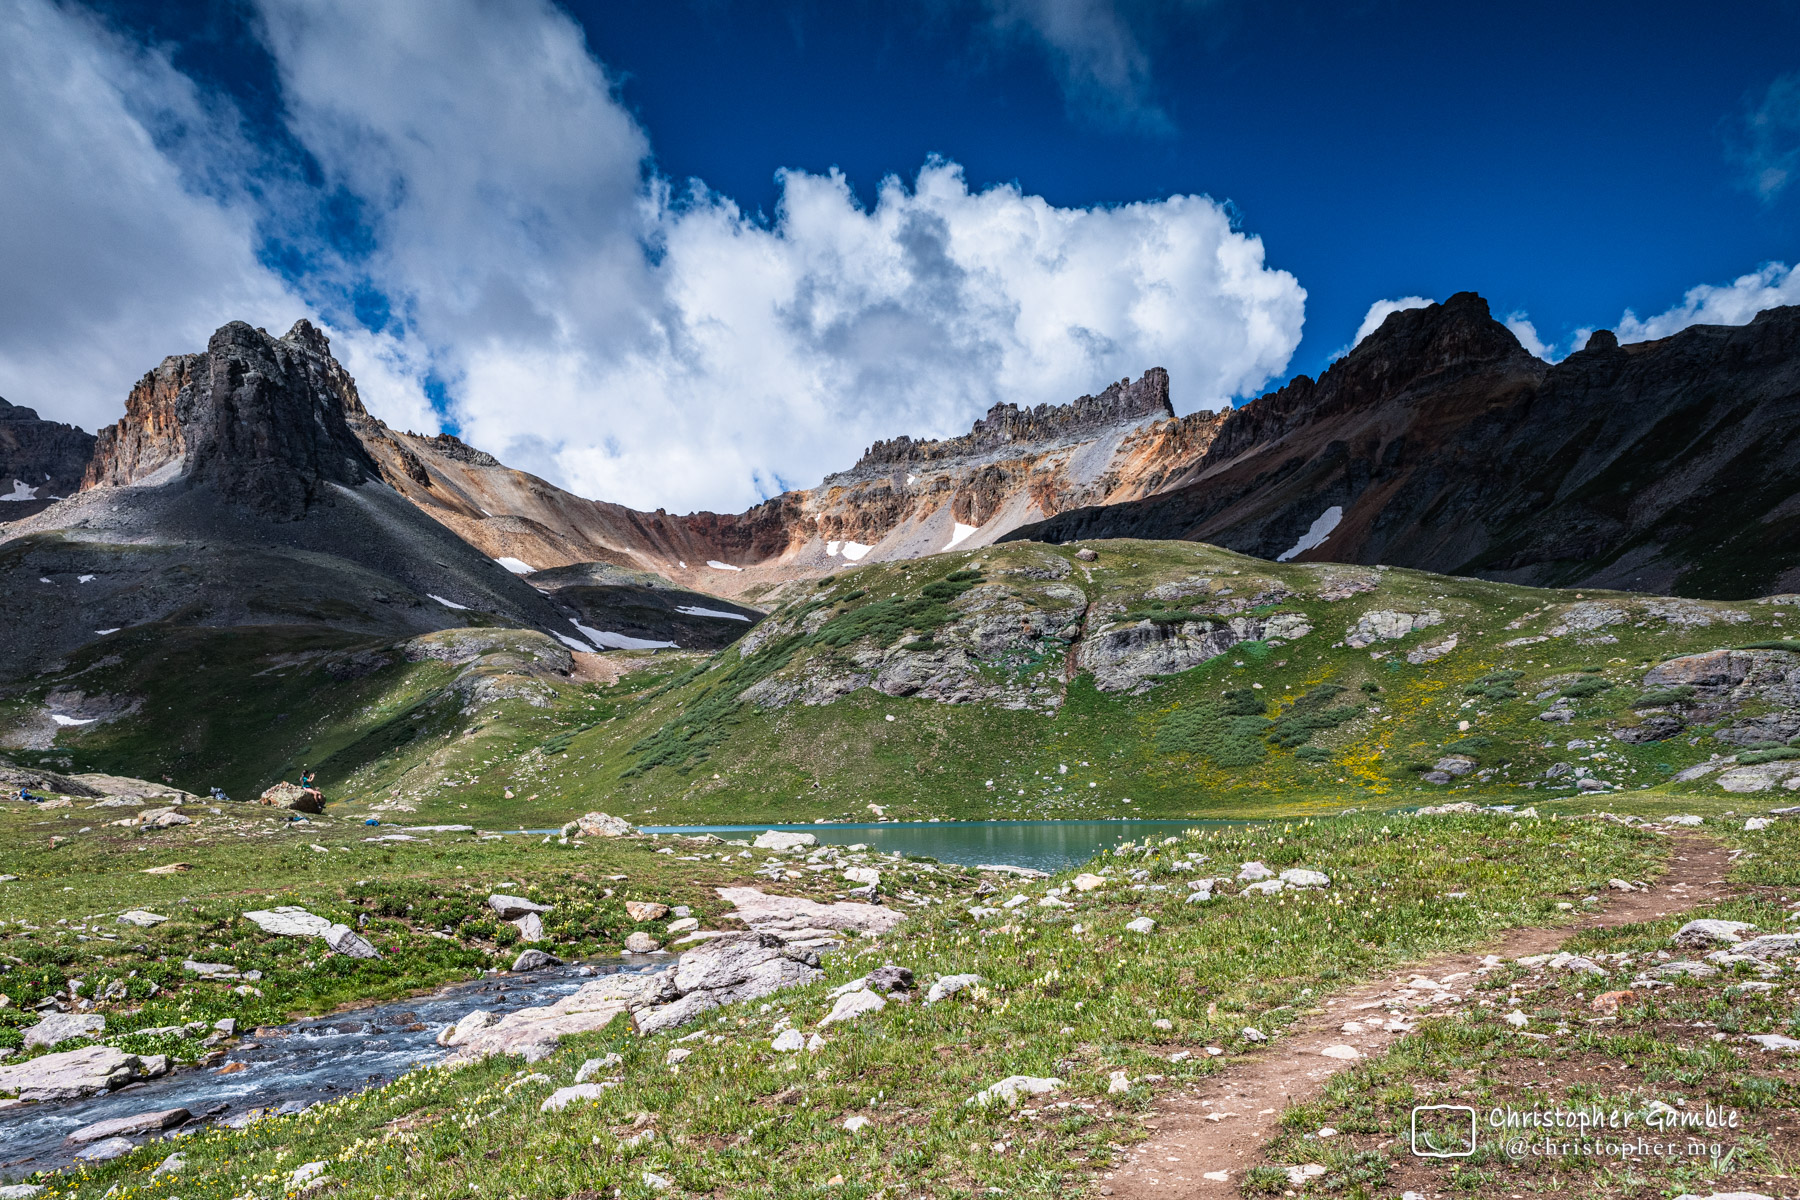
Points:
[[1203, 1140]]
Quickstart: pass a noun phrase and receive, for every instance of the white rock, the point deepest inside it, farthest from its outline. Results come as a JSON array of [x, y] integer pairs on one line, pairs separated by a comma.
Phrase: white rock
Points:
[[1252, 871], [1267, 887], [776, 839], [1118, 1082], [949, 985], [1750, 826], [640, 943], [562, 1097], [511, 908], [305, 1173], [108, 1150], [1776, 1041], [1087, 882], [175, 1164], [856, 1124], [788, 1041], [867, 876], [1300, 1174], [676, 1056], [1300, 877], [1017, 900], [471, 1024], [599, 824], [1253, 1034], [1008, 1090], [851, 1006], [1054, 902], [1703, 933], [144, 919], [1517, 1019], [594, 1066], [20, 1191], [1725, 1196], [1198, 897], [684, 925], [59, 1027], [655, 1182], [1344, 1052], [1141, 925]]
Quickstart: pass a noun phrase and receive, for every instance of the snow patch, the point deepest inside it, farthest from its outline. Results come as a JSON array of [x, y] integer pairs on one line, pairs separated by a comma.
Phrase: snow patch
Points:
[[962, 532], [21, 491], [618, 641], [84, 579], [716, 565], [710, 612], [517, 566], [571, 643], [1317, 533], [62, 720], [855, 550], [440, 600], [104, 632]]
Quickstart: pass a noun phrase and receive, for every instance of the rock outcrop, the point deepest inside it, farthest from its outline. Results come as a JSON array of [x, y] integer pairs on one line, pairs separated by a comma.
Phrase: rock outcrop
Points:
[[264, 421], [40, 461], [1663, 466]]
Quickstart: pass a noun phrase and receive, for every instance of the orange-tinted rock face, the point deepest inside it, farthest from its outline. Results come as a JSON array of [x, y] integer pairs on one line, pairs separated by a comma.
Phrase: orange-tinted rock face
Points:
[[904, 498], [264, 420]]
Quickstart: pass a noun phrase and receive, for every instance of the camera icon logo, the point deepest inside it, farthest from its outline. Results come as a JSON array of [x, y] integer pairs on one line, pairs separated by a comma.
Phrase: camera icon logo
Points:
[[1443, 1131]]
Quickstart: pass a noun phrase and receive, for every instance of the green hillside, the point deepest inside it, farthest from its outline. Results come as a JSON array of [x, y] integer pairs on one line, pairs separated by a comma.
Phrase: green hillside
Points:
[[1160, 679]]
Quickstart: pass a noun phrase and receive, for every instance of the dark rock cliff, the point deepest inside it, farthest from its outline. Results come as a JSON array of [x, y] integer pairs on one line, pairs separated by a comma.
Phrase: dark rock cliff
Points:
[[39, 460], [1667, 466], [264, 421]]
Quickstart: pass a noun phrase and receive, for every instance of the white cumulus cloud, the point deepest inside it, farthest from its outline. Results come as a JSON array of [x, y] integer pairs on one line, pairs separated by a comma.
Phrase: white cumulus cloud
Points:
[[631, 337], [1381, 310], [1527, 334], [653, 344], [1734, 303]]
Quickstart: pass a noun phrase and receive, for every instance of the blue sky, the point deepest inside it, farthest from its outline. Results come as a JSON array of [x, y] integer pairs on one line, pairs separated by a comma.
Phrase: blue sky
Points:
[[647, 251]]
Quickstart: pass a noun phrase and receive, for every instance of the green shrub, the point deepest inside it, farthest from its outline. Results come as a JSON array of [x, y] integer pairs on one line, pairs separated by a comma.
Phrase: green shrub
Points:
[[1583, 688], [1788, 644], [1763, 756], [1662, 697], [1309, 714], [1313, 754]]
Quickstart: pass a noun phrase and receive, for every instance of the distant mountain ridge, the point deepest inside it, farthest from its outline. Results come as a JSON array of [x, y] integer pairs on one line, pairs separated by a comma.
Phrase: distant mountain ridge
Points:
[[40, 461], [1442, 444]]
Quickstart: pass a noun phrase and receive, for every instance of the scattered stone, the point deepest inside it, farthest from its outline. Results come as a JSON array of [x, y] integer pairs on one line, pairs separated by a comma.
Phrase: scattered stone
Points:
[[20, 1191], [141, 918], [511, 908], [684, 925], [1300, 1174], [174, 868], [1118, 1082], [1698, 935], [655, 1182], [1253, 872], [677, 1056], [305, 1173], [776, 839], [465, 1029], [1009, 869], [1387, 626], [1253, 1034], [1087, 882], [290, 921], [1345, 1053], [1684, 819], [1455, 764], [1756, 823], [788, 1041], [599, 824], [1698, 970], [594, 1066], [889, 979], [796, 919], [1267, 887], [106, 1151], [856, 1124], [1576, 963], [175, 1164], [865, 876], [561, 1098], [1776, 1041], [1517, 1019], [57, 1027], [1009, 1090], [853, 1005], [1141, 925], [641, 943], [1725, 1196], [1300, 877], [644, 910], [1424, 654], [948, 986], [141, 1123], [1086, 555], [1770, 945], [1610, 1002], [533, 960]]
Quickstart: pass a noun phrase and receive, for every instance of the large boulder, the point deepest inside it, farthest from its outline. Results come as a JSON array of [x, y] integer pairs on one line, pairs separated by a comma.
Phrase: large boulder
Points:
[[1387, 626], [291, 921], [794, 918], [780, 839], [133, 1126], [511, 908], [1771, 675], [73, 1074], [59, 1027], [1760, 777], [1130, 658], [1698, 935], [292, 795], [599, 824], [532, 1033]]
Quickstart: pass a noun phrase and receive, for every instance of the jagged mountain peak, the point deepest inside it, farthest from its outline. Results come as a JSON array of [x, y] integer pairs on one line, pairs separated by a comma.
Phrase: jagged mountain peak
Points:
[[266, 421]]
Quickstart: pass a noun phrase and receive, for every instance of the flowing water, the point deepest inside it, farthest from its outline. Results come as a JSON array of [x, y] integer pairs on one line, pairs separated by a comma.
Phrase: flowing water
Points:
[[291, 1066]]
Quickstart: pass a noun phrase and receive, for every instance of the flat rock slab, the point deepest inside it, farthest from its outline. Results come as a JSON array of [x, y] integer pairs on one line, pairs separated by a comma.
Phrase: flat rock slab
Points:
[[511, 908], [289, 921], [532, 1033], [132, 1126], [60, 1026], [792, 917], [76, 1073]]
